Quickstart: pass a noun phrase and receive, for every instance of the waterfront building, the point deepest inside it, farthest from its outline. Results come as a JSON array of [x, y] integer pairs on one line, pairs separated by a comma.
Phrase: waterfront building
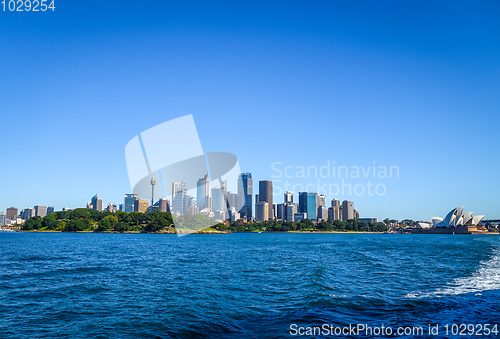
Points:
[[203, 191], [50, 210], [368, 220], [219, 197], [261, 211], [2, 219], [245, 194], [288, 197], [141, 206], [96, 203], [355, 214], [280, 215], [129, 202], [347, 210], [307, 204], [40, 211], [266, 195], [299, 216], [232, 199], [289, 211], [27, 213], [11, 211]]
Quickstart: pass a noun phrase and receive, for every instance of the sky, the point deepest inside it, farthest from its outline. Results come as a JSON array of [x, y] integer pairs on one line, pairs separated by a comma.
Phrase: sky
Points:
[[411, 84]]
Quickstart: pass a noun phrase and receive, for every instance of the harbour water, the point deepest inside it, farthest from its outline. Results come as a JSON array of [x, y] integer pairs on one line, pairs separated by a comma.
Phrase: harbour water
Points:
[[56, 285]]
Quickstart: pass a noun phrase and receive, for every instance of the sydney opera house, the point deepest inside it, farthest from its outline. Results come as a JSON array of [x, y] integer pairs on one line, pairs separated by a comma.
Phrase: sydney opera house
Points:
[[455, 222]]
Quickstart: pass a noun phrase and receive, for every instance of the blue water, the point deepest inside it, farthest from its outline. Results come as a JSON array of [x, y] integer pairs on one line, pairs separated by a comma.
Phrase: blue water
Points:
[[242, 285]]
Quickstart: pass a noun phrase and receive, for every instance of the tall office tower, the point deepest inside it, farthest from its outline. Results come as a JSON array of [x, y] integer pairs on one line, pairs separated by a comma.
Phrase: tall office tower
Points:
[[261, 211], [322, 213], [355, 214], [219, 197], [96, 203], [27, 213], [50, 210], [40, 211], [321, 200], [245, 195], [129, 202], [203, 191], [256, 198], [164, 205], [280, 212], [336, 203], [176, 186], [307, 204], [120, 207], [290, 210], [299, 216], [334, 213], [180, 202], [12, 211], [2, 219], [232, 199], [288, 197], [209, 202], [347, 210], [141, 206], [266, 195], [111, 208]]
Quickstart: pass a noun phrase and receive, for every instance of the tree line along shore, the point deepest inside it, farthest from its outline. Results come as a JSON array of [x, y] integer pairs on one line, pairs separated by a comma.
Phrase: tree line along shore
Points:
[[88, 220]]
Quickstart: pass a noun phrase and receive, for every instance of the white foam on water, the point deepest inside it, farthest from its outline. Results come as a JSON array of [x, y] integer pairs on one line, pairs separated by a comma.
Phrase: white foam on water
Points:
[[485, 278]]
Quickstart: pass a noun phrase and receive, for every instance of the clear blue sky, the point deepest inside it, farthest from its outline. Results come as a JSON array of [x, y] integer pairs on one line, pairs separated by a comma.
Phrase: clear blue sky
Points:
[[408, 84]]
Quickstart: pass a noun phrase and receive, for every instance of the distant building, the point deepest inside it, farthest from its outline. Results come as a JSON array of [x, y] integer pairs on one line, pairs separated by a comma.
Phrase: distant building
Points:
[[232, 199], [40, 211], [12, 211], [89, 206], [129, 202], [203, 191], [289, 211], [288, 197], [219, 193], [141, 206], [355, 214], [368, 220], [245, 194], [321, 200], [176, 186], [307, 204], [180, 202], [322, 213], [280, 209], [299, 216], [336, 203], [111, 208], [347, 210], [120, 207], [65, 209], [27, 213], [2, 219], [334, 213], [261, 211], [266, 195], [164, 205], [50, 210], [96, 203]]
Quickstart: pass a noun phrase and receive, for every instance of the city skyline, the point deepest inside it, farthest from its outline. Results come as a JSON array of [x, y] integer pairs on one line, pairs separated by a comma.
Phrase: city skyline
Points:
[[299, 85]]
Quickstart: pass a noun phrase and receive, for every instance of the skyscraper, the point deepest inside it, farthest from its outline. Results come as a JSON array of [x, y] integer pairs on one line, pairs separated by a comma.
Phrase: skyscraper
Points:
[[266, 195], [40, 211], [129, 202], [12, 211], [347, 210], [203, 191], [180, 202], [245, 194], [2, 219], [261, 211], [307, 204], [96, 203], [290, 210], [50, 210], [141, 206], [334, 211], [288, 197], [176, 186], [27, 213], [219, 194], [164, 205]]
